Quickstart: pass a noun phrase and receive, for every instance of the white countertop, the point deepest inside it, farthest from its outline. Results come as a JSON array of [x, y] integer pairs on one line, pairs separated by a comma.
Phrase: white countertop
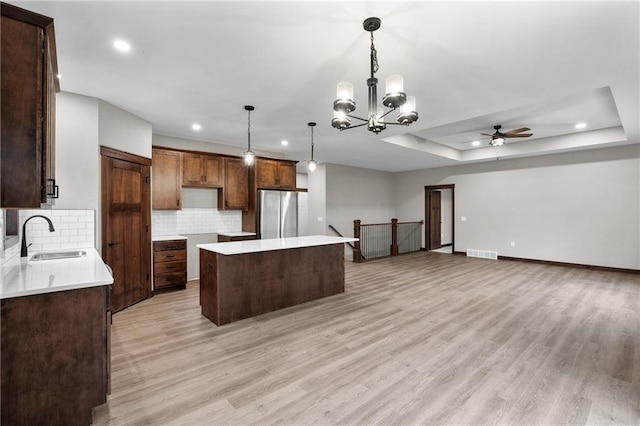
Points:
[[167, 237], [252, 246], [236, 234], [24, 277]]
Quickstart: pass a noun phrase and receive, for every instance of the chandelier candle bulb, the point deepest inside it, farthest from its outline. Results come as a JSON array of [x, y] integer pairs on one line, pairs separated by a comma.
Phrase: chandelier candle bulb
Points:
[[394, 84], [345, 91], [408, 112]]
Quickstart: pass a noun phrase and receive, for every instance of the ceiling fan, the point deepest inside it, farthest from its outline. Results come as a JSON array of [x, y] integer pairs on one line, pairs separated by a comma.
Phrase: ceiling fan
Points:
[[498, 138]]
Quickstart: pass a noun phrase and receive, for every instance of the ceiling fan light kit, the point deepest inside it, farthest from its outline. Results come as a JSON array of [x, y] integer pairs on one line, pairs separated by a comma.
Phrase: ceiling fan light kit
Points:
[[394, 98], [499, 138]]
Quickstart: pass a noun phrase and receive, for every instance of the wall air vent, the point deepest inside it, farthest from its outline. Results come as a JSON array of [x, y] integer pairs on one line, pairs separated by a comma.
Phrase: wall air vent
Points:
[[483, 254]]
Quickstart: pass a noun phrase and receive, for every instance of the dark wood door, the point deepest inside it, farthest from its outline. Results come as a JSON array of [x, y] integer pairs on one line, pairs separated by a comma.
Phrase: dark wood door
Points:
[[167, 180], [287, 175], [191, 169], [435, 220], [236, 187], [266, 173], [211, 168], [22, 113], [126, 240]]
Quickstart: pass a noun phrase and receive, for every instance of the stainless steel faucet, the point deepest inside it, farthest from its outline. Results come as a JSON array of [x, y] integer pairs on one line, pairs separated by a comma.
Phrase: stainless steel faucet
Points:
[[23, 249]]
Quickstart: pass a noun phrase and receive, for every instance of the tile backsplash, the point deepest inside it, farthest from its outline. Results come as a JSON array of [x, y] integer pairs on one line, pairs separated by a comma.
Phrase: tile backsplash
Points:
[[195, 221], [73, 229]]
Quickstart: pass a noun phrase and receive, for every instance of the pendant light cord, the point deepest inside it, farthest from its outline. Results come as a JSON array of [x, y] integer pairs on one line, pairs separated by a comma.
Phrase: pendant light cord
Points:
[[249, 130], [311, 143]]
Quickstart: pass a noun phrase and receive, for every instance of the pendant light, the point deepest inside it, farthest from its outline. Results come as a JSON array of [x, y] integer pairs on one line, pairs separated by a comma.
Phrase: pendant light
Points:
[[249, 155], [311, 164]]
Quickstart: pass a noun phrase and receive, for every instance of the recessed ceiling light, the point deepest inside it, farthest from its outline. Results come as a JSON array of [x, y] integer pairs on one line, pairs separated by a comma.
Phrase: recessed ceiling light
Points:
[[196, 126], [581, 125], [284, 143], [475, 143], [122, 45]]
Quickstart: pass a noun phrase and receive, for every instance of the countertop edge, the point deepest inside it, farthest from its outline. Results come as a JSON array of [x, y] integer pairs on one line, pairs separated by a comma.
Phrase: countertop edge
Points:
[[255, 246], [47, 290]]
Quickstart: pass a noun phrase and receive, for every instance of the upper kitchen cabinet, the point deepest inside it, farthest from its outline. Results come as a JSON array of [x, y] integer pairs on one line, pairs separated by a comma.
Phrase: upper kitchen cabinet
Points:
[[29, 72], [166, 179], [235, 192], [201, 170], [276, 174]]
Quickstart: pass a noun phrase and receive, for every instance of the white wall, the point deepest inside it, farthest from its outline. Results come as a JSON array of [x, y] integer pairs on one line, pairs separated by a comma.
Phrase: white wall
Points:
[[121, 130], [77, 152], [580, 207], [355, 193], [317, 201], [83, 124]]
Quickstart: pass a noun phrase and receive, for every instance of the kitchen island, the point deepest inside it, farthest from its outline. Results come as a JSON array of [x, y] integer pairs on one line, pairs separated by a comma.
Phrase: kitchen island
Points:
[[243, 279]]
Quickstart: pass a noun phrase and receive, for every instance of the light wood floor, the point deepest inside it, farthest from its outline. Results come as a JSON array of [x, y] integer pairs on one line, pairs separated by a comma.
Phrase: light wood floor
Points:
[[424, 338]]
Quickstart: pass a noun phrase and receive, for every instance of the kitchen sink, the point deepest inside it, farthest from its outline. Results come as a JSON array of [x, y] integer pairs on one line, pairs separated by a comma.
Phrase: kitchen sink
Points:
[[59, 255]]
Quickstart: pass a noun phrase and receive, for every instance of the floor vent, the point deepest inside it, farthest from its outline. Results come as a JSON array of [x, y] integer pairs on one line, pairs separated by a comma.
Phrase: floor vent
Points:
[[483, 254]]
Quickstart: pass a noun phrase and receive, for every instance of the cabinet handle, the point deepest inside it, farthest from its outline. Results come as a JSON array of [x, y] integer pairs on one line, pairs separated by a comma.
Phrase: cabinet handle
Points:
[[205, 178], [169, 257], [111, 244], [178, 202], [54, 189]]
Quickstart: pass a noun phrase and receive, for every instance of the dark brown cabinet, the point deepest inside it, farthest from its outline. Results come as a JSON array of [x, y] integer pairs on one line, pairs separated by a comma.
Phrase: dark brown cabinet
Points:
[[225, 238], [268, 173], [166, 176], [29, 83], [201, 170], [169, 263], [235, 192], [277, 174], [55, 356]]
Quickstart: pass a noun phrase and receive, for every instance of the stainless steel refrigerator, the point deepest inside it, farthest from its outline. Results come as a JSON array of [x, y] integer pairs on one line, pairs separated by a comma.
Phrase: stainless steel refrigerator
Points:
[[278, 212]]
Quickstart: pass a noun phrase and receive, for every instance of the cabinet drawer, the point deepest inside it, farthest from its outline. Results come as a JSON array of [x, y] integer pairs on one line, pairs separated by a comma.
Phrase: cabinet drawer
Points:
[[162, 268], [167, 280], [168, 256], [169, 245]]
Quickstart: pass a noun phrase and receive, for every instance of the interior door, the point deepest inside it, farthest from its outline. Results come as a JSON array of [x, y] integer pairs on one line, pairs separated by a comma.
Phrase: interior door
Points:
[[126, 240], [435, 220]]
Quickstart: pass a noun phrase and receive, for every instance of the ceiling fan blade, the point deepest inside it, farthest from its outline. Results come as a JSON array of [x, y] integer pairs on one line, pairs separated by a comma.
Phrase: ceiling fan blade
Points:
[[520, 130], [521, 135], [486, 134]]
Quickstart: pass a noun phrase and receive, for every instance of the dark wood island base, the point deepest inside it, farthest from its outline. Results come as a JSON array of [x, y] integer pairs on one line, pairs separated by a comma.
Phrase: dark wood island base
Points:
[[238, 286]]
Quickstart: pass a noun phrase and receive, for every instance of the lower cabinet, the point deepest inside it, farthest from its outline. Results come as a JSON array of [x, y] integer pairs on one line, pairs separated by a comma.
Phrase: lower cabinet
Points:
[[169, 263], [55, 356], [225, 238]]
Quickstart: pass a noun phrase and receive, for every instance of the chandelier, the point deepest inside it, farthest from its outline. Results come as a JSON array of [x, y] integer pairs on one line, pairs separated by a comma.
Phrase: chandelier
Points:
[[393, 99]]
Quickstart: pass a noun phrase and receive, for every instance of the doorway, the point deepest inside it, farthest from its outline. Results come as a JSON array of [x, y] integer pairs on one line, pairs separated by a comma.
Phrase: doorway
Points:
[[439, 218], [126, 217]]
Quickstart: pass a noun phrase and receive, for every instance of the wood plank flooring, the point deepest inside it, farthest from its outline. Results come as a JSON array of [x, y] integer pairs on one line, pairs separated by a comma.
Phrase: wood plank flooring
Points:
[[423, 338]]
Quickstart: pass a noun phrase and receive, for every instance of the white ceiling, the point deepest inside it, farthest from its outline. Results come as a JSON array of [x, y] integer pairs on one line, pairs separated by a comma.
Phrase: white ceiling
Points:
[[471, 65]]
